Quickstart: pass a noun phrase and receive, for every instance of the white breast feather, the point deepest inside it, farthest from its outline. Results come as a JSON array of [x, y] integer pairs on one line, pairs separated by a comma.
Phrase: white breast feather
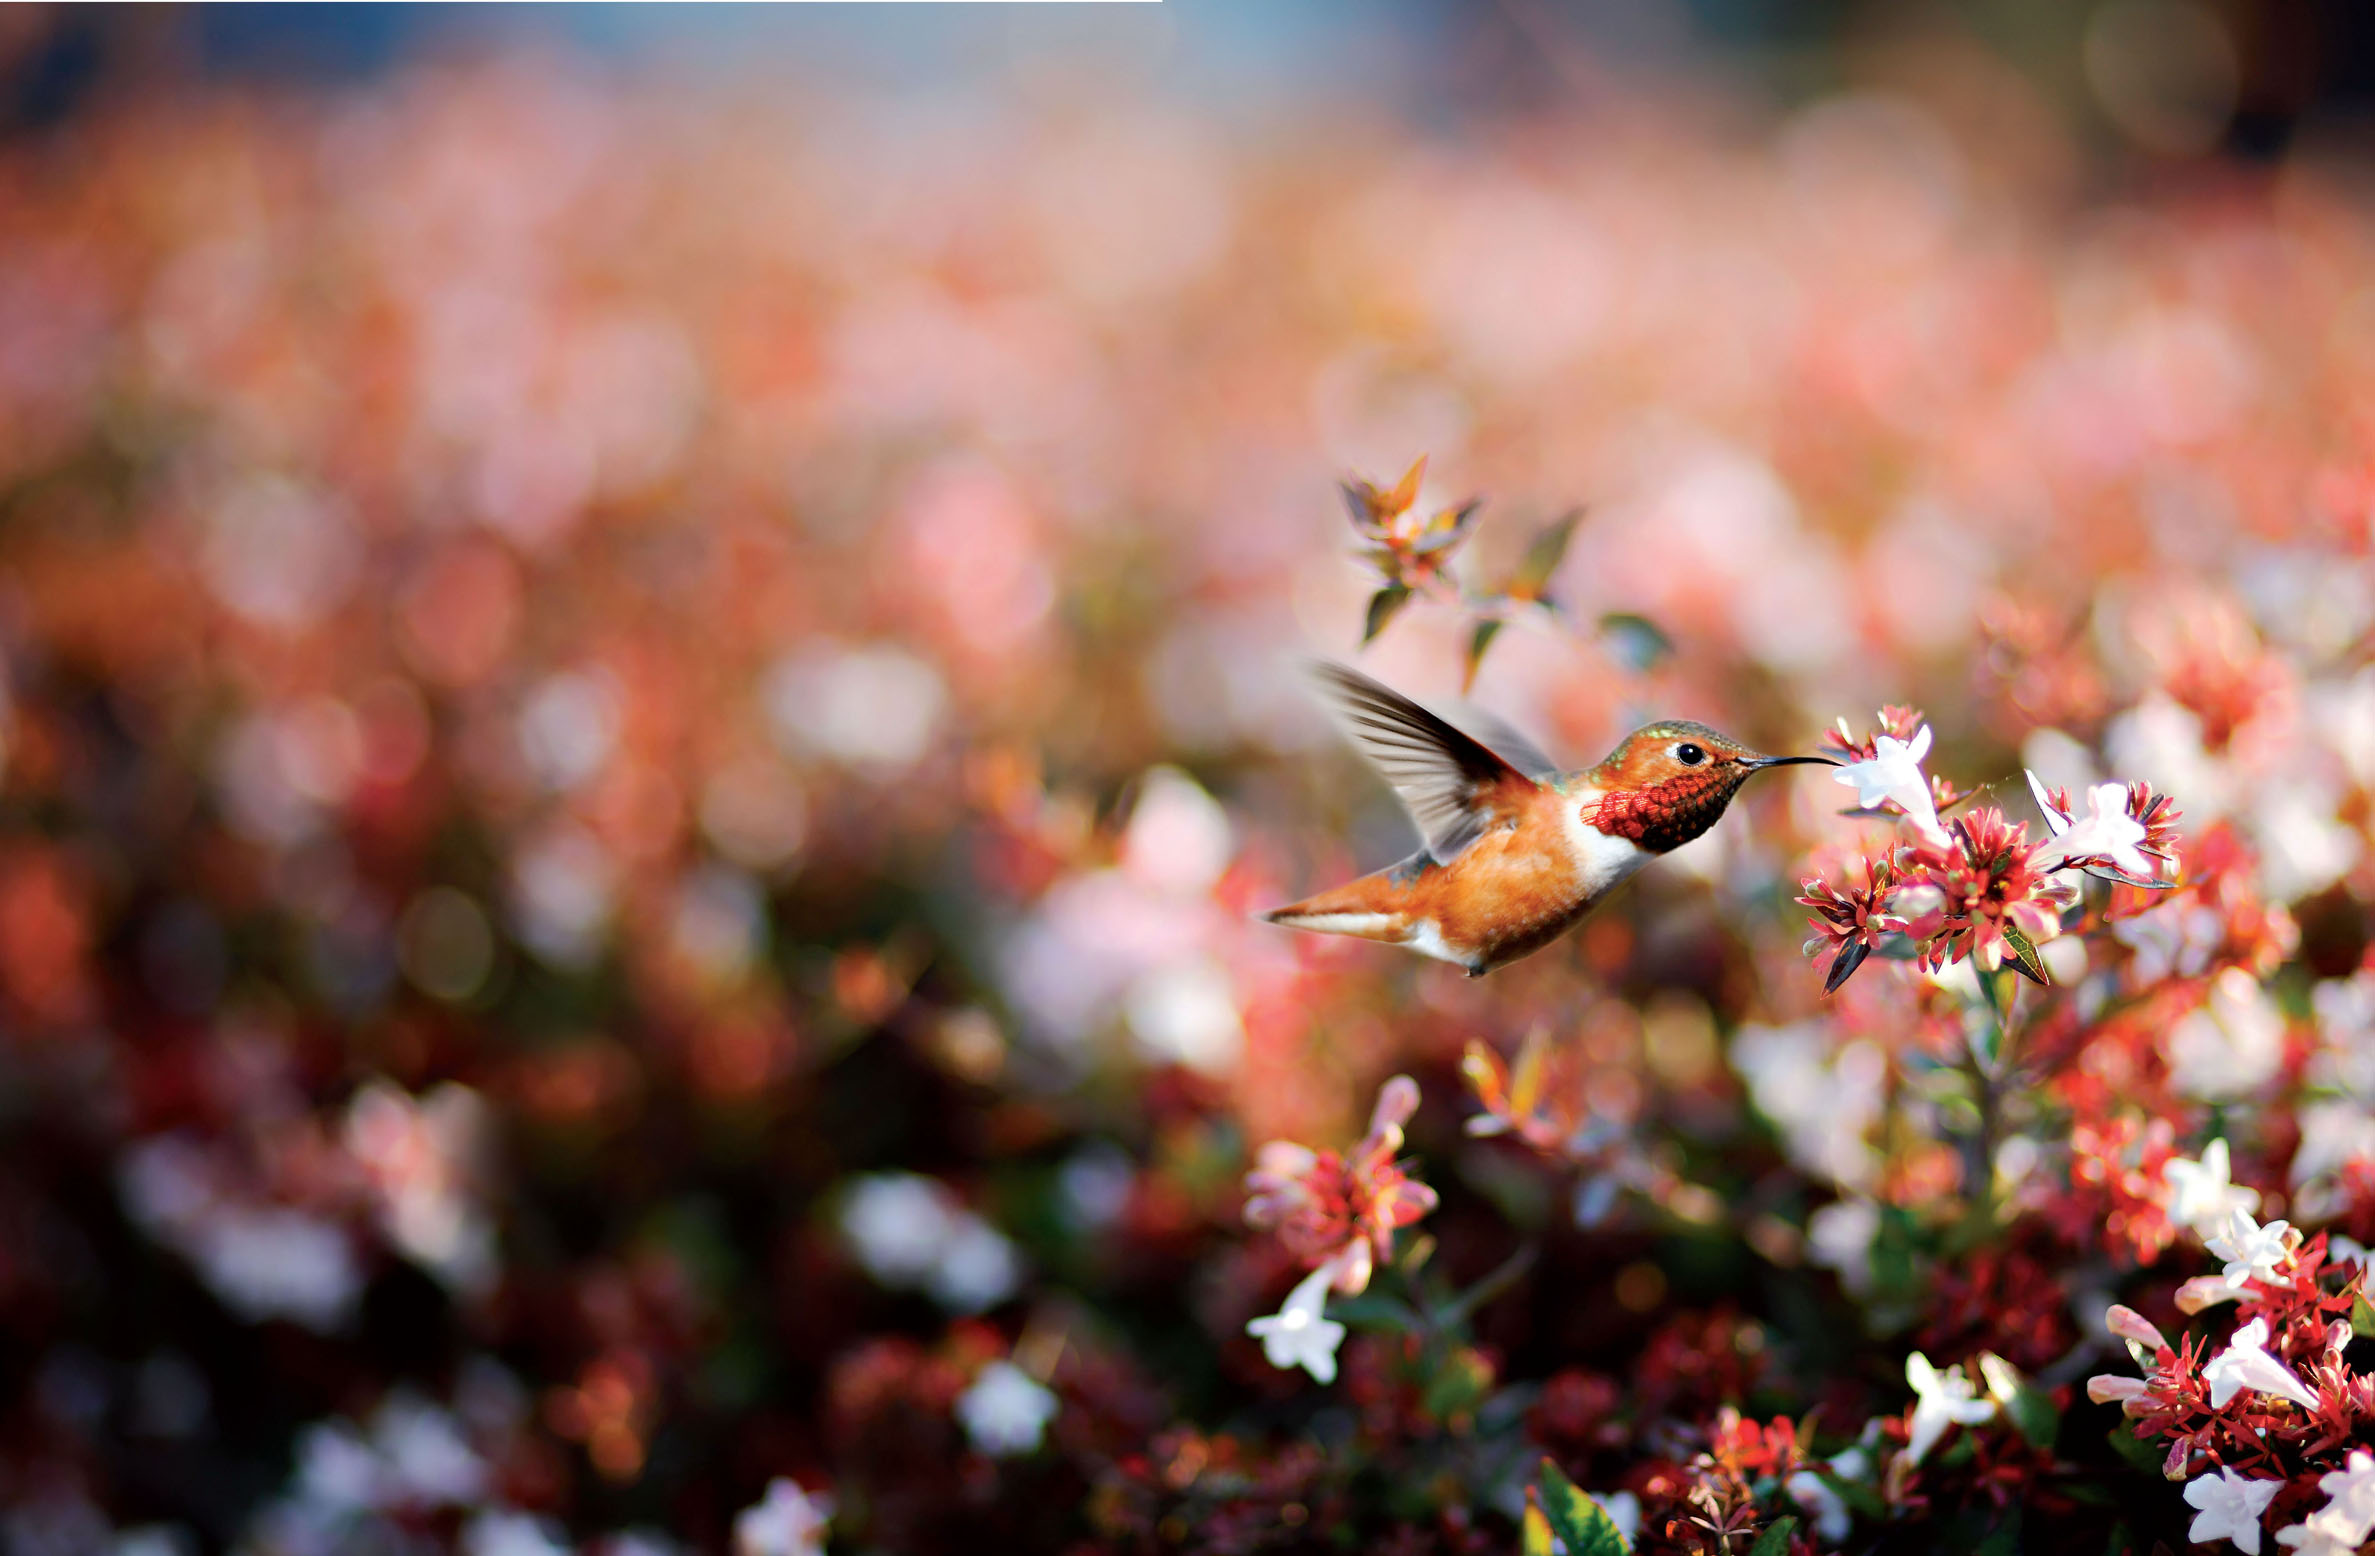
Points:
[[1607, 860]]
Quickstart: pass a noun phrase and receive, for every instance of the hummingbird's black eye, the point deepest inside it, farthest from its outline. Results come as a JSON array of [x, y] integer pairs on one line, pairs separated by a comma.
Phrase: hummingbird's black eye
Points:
[[1689, 755]]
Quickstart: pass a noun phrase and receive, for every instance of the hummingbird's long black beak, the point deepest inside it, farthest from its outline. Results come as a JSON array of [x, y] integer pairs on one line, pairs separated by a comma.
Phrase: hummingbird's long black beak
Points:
[[1762, 762]]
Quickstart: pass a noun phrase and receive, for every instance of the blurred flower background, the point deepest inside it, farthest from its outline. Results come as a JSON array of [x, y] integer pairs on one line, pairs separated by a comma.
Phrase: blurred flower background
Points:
[[650, 665]]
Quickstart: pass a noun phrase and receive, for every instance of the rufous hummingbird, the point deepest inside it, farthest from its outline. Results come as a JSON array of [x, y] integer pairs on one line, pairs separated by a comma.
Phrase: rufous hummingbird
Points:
[[1517, 850]]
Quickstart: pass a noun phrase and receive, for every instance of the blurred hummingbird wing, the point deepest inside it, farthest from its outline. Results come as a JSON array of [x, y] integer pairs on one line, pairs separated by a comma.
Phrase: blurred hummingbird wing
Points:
[[1503, 739], [1451, 783]]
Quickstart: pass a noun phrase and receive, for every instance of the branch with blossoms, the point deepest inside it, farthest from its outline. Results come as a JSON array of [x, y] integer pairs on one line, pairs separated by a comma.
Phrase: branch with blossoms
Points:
[[2263, 1423], [1411, 553], [1974, 888]]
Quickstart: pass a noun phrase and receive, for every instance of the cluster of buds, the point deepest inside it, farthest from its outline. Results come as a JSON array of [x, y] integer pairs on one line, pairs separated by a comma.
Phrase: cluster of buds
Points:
[[1411, 553], [1975, 888], [1339, 1212], [1408, 549]]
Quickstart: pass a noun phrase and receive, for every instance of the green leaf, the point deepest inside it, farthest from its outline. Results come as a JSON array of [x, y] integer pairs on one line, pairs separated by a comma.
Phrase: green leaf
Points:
[[2030, 1409], [1459, 1385], [2025, 958], [1382, 606], [2362, 1316], [1581, 1524], [1479, 640], [1510, 1271], [1543, 558], [1775, 1540], [2004, 1539], [2139, 1453], [1375, 1310], [1636, 642]]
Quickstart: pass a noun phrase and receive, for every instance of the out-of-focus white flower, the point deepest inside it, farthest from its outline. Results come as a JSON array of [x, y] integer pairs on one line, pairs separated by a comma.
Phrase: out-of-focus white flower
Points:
[[2246, 1364], [907, 1230], [1824, 1096], [2201, 1195], [2302, 847], [1893, 772], [1179, 838], [2229, 1506], [500, 1533], [1094, 1186], [154, 1540], [267, 1262], [977, 1269], [568, 727], [1839, 1237], [2334, 1133], [2160, 740], [2350, 1494], [2106, 832], [2324, 1533], [1940, 1400], [1300, 1334], [872, 707], [1187, 1014], [2172, 938], [1006, 1410], [2231, 1046], [421, 1159], [562, 882], [2252, 1251], [788, 1522], [424, 1457], [336, 1468], [1829, 1510]]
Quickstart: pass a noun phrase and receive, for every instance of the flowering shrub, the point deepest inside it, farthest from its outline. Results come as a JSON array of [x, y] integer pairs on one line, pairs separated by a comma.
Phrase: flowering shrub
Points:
[[639, 735]]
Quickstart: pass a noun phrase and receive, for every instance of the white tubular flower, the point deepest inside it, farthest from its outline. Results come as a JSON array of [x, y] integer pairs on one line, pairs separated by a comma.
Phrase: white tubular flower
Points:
[[2107, 832], [1300, 1334], [2246, 1364], [2252, 1251], [2229, 1506], [789, 1522], [1894, 772], [1006, 1411], [2201, 1194], [1940, 1400], [2350, 1495]]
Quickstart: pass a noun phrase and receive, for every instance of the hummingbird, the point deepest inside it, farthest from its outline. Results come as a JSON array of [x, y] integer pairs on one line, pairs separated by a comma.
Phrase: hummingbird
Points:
[[1517, 851]]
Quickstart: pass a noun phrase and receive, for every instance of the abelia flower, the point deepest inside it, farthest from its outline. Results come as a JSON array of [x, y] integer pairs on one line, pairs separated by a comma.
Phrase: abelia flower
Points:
[[2350, 1492], [1300, 1334], [1940, 1400], [2202, 1194], [2124, 836], [1892, 775], [1341, 1212], [2323, 1533], [2246, 1364], [788, 1522], [2253, 1251], [2230, 1507], [1006, 1410]]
